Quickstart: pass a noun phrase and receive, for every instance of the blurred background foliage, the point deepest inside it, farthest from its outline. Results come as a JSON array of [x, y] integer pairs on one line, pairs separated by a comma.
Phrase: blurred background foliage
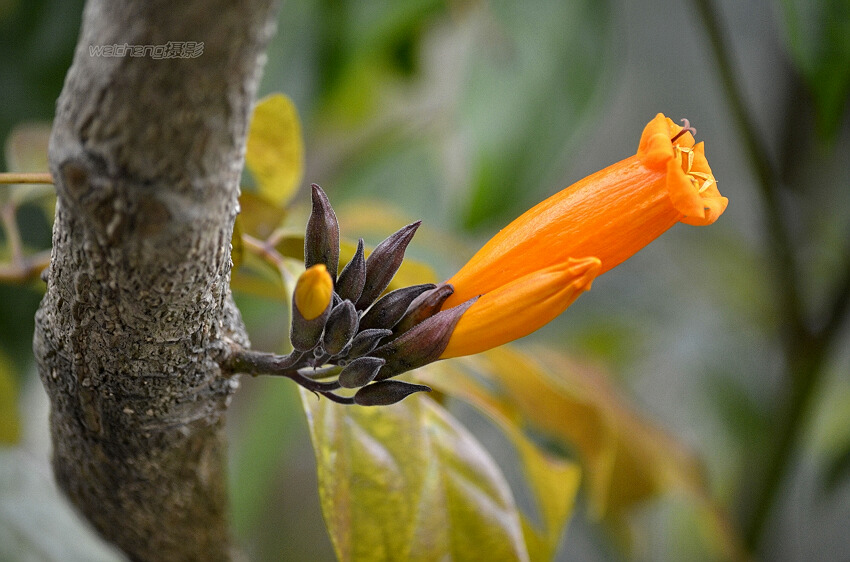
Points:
[[464, 114]]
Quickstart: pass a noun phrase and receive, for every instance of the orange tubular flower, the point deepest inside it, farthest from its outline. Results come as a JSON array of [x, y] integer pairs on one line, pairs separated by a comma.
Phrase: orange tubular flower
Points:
[[537, 266]]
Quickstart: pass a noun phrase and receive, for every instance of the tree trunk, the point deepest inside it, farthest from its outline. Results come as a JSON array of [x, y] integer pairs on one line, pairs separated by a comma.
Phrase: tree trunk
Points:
[[146, 154]]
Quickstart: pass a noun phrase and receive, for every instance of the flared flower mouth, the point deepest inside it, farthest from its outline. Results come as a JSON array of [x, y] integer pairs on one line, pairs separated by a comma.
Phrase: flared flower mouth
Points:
[[669, 148]]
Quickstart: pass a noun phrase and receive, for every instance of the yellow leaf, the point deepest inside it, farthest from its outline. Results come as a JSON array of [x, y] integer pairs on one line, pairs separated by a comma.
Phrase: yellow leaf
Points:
[[258, 215], [408, 482], [411, 272], [646, 459], [274, 152], [256, 277], [368, 216], [626, 458], [10, 429], [375, 218], [291, 245]]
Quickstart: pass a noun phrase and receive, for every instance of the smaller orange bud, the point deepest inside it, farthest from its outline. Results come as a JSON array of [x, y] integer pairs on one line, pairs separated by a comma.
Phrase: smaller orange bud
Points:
[[314, 291]]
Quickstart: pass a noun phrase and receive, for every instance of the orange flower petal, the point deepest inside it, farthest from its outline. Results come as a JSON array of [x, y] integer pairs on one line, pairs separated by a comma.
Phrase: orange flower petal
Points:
[[655, 148], [714, 207], [685, 198], [521, 306]]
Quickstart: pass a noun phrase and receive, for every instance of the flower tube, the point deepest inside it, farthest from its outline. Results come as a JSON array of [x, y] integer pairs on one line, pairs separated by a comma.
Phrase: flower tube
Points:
[[603, 219]]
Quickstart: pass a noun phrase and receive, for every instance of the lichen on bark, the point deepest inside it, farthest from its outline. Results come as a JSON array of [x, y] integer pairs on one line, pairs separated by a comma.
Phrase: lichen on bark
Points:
[[146, 155]]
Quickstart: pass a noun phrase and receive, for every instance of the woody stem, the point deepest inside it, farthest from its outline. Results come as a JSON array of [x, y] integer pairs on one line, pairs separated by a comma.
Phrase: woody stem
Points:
[[250, 362], [805, 348], [25, 177], [779, 240]]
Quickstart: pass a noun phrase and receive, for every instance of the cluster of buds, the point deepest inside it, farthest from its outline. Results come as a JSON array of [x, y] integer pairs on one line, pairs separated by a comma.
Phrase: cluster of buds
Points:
[[342, 326]]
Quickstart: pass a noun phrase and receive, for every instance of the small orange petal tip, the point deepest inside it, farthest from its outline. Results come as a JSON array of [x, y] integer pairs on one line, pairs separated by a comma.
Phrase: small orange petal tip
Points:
[[313, 291]]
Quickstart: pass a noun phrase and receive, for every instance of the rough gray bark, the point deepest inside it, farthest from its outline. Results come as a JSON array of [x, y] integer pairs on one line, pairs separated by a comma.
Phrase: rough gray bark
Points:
[[146, 155]]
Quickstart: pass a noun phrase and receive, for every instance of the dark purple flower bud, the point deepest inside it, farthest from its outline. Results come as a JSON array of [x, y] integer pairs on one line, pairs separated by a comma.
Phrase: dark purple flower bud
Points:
[[353, 276], [422, 344], [365, 341], [340, 328], [383, 263], [424, 306], [360, 372], [386, 393], [389, 309], [321, 241]]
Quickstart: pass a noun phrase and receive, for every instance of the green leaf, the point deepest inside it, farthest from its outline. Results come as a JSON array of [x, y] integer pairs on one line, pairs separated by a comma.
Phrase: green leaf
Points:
[[818, 35], [554, 481], [408, 482], [365, 48], [10, 427], [274, 151], [534, 80]]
